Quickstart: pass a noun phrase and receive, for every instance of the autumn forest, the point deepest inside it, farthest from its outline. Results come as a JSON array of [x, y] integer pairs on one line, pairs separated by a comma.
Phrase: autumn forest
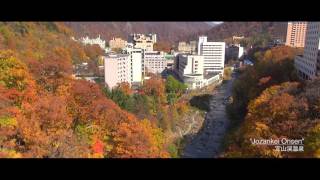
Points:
[[46, 113]]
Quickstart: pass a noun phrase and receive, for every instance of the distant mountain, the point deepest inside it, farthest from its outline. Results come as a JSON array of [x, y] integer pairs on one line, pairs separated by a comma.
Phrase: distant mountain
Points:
[[247, 29], [166, 31]]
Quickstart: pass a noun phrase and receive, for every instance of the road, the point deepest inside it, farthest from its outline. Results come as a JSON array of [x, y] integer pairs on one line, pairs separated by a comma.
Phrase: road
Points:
[[207, 143]]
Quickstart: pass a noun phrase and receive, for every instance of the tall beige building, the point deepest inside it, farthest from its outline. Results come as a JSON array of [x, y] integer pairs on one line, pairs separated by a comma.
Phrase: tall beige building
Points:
[[117, 43], [296, 34], [187, 47], [143, 41]]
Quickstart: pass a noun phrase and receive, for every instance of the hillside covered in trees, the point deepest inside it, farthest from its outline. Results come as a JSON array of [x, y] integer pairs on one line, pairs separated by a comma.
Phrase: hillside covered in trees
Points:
[[229, 29], [254, 32], [44, 112], [270, 102], [168, 32]]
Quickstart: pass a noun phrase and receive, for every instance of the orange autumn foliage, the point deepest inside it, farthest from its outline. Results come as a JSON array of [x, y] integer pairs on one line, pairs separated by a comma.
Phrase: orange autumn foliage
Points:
[[281, 111], [136, 139], [155, 87], [98, 148], [45, 113], [125, 88]]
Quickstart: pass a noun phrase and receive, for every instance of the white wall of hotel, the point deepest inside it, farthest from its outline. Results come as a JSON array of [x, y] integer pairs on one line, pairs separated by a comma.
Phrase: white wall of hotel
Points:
[[241, 51], [117, 69], [190, 64], [123, 67], [214, 54], [136, 65], [191, 72], [154, 61], [196, 81], [202, 39], [138, 57]]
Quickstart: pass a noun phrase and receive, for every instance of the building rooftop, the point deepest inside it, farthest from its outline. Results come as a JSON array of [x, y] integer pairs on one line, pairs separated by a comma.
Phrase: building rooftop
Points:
[[153, 53], [116, 55], [210, 75], [211, 42]]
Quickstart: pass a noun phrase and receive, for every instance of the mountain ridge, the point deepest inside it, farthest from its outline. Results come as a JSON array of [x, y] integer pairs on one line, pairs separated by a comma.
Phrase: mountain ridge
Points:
[[167, 31], [277, 30]]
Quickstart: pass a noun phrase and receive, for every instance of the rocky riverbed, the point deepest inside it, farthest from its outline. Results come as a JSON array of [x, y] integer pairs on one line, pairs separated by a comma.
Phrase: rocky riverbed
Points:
[[206, 143]]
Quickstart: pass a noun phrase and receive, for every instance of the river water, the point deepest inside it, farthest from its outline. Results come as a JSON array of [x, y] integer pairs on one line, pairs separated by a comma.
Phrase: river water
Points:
[[208, 141]]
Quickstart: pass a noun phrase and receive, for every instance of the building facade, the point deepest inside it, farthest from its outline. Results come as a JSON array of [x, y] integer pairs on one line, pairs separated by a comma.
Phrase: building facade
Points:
[[187, 47], [154, 61], [117, 43], [183, 47], [202, 39], [234, 52], [214, 55], [136, 64], [98, 41], [237, 38], [308, 64], [296, 34], [190, 64], [143, 41], [117, 69], [190, 70]]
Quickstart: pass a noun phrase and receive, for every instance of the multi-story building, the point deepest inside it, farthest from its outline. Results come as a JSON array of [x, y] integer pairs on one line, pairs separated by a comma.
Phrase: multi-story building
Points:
[[126, 67], [296, 34], [190, 70], [117, 43], [187, 47], [308, 64], [154, 61], [214, 55], [143, 41], [136, 62], [234, 52], [98, 41], [183, 47], [190, 64], [117, 69], [237, 39], [202, 39]]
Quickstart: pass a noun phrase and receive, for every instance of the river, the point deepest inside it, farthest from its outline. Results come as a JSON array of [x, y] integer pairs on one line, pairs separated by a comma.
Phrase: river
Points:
[[207, 142]]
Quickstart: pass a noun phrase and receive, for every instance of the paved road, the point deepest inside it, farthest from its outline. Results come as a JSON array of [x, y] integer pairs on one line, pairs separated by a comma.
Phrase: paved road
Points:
[[207, 143]]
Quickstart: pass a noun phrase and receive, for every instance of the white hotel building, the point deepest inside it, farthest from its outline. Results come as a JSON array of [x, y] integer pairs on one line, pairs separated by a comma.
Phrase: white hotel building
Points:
[[117, 69], [190, 70], [135, 60], [214, 55], [308, 65], [97, 41], [154, 61], [125, 67]]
